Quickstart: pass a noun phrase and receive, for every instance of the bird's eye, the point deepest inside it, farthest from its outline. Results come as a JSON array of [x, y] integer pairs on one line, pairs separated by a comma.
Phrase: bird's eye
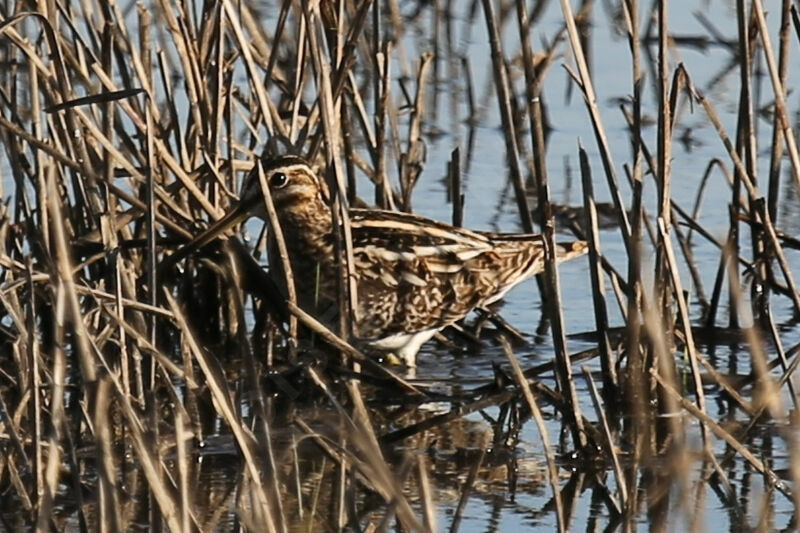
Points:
[[278, 180]]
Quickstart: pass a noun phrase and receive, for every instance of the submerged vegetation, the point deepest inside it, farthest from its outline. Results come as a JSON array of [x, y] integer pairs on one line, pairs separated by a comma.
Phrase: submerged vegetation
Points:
[[200, 398]]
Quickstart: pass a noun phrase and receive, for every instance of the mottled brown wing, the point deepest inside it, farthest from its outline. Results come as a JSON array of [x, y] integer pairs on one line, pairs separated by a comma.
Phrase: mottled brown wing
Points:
[[416, 274]]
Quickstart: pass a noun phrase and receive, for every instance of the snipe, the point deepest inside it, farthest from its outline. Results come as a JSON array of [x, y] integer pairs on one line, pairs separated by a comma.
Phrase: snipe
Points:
[[414, 276]]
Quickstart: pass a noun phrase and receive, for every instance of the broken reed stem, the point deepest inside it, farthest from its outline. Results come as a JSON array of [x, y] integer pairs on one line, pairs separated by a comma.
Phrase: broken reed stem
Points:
[[504, 102], [454, 181], [608, 442], [663, 175], [152, 274], [610, 392], [563, 368], [328, 101], [720, 432], [751, 190], [552, 468], [778, 91], [776, 153], [634, 393], [584, 82], [664, 126], [683, 311], [745, 143], [383, 192], [286, 265]]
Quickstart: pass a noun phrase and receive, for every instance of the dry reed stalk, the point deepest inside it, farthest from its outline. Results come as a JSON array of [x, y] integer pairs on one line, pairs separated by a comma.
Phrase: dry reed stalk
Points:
[[751, 190], [506, 116], [349, 150], [635, 389], [370, 459], [776, 142], [552, 468], [150, 221], [720, 432], [563, 368], [608, 442], [283, 254], [383, 196], [663, 297], [584, 82], [466, 488], [454, 183], [610, 382], [33, 353], [227, 410], [631, 13], [327, 103], [745, 143], [778, 91]]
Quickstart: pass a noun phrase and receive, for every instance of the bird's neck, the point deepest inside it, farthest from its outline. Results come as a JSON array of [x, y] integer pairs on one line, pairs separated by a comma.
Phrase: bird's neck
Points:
[[307, 232], [307, 228]]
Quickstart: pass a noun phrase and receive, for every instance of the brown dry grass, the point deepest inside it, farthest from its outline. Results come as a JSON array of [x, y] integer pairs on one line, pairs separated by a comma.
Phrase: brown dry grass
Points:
[[122, 127]]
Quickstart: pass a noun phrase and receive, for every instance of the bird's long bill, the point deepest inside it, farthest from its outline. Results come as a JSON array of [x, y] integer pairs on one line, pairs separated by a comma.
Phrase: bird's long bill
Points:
[[233, 217]]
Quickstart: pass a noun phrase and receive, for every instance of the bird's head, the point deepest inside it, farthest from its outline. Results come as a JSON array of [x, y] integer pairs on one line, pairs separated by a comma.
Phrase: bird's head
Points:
[[291, 181], [292, 184]]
